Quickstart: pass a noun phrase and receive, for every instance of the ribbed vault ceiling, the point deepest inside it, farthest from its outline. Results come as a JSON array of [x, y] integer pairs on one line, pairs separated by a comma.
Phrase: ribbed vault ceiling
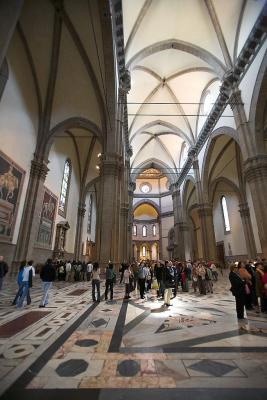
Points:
[[177, 52]]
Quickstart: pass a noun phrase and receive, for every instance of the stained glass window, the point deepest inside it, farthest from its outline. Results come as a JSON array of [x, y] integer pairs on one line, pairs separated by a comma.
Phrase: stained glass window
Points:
[[143, 251], [65, 188], [225, 214], [154, 230], [144, 231], [89, 222]]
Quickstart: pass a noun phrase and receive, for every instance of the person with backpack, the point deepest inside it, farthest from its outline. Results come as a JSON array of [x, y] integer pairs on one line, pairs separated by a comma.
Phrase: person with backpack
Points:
[[3, 270], [110, 275], [27, 276], [48, 275]]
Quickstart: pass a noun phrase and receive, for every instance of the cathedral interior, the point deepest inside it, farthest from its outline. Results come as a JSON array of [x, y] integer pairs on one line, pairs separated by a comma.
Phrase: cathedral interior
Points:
[[132, 131]]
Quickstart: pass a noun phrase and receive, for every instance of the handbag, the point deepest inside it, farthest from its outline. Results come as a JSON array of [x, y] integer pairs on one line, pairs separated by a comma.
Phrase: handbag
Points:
[[247, 289], [155, 284]]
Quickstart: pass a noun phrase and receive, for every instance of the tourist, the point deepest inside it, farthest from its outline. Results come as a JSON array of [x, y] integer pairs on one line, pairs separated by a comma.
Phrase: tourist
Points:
[[48, 275], [245, 275], [238, 290], [96, 282], [28, 274], [142, 280], [19, 281], [213, 269], [263, 294], [128, 281], [169, 282], [3, 270], [68, 271], [89, 269], [109, 281], [201, 271]]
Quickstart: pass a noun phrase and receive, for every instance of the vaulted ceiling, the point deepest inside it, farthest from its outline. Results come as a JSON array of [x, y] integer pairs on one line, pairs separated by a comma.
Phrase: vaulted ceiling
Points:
[[177, 52]]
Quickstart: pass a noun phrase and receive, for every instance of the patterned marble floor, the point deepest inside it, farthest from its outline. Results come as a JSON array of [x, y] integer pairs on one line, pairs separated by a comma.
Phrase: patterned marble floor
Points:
[[119, 349]]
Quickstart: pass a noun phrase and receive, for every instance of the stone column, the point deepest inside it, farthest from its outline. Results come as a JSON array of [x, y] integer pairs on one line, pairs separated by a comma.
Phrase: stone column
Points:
[[206, 220], [131, 189], [248, 231], [179, 244], [30, 221], [9, 14], [255, 170], [107, 241], [124, 231], [79, 229]]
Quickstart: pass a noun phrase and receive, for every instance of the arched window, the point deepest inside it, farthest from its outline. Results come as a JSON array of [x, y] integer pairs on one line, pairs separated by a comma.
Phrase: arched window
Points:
[[144, 231], [225, 215], [154, 230], [89, 222], [143, 251], [63, 200], [134, 230]]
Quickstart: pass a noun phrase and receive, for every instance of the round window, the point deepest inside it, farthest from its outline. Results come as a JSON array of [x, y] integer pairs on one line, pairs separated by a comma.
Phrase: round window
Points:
[[145, 187]]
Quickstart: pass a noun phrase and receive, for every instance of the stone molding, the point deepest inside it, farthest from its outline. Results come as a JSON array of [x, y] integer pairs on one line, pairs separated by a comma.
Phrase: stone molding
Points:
[[204, 210], [244, 210], [255, 168], [39, 169]]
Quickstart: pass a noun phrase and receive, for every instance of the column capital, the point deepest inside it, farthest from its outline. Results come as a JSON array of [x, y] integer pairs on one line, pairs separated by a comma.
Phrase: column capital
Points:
[[111, 164], [235, 99], [244, 210], [255, 168], [182, 226], [131, 188], [81, 210], [204, 210], [39, 169]]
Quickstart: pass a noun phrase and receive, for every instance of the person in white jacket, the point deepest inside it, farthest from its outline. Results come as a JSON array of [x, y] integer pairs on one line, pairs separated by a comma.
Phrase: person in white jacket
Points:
[[28, 274]]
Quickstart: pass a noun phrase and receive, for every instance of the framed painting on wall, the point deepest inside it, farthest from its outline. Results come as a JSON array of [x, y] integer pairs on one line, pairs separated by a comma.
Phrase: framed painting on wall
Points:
[[11, 183], [47, 221]]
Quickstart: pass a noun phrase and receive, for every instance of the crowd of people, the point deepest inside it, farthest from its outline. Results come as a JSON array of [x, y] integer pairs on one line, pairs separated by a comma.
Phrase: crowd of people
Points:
[[165, 278]]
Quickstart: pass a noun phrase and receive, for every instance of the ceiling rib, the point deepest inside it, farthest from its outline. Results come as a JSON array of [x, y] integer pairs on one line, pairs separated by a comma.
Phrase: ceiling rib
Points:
[[217, 27]]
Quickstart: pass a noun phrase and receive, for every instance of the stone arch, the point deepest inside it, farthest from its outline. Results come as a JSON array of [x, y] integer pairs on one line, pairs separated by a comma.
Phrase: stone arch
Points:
[[228, 182], [175, 44], [258, 106], [147, 201], [224, 130], [157, 164], [74, 122], [4, 74], [188, 179]]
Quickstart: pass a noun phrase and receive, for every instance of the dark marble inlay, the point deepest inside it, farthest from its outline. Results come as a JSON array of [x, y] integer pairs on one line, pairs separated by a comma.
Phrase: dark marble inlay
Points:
[[99, 322], [106, 310], [77, 292], [86, 342], [71, 367], [128, 368], [19, 324], [212, 367]]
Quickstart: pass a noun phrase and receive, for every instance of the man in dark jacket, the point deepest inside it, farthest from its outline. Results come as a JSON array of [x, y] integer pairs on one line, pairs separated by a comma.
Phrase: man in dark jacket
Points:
[[3, 270], [48, 275], [238, 290]]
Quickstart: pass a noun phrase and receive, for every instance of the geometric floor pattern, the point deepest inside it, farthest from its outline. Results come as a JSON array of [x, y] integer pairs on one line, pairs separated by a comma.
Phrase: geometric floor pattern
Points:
[[127, 349]]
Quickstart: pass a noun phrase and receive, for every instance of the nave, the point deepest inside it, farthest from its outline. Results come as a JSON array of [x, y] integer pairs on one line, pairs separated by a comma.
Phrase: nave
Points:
[[104, 350]]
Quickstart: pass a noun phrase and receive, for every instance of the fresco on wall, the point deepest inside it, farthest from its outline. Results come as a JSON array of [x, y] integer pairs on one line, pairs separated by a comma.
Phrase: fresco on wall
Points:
[[11, 182], [47, 221]]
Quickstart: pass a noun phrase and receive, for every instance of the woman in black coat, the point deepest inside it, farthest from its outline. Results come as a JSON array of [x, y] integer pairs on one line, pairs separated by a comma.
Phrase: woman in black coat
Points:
[[238, 290]]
